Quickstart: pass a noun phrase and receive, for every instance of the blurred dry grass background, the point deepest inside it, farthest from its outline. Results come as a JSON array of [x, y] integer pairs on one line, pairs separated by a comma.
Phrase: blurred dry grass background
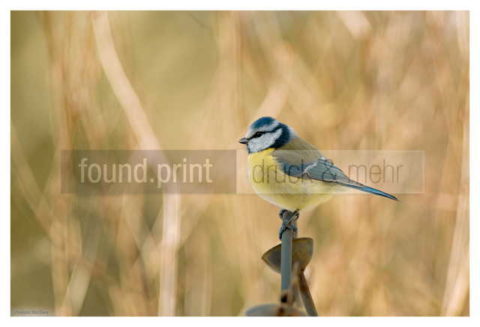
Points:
[[194, 80]]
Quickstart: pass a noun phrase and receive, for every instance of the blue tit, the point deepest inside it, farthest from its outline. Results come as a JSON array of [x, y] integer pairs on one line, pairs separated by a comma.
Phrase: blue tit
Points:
[[288, 171]]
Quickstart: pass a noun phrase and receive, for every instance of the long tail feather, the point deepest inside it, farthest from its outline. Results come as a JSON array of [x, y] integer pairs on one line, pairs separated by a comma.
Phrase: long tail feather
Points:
[[372, 190]]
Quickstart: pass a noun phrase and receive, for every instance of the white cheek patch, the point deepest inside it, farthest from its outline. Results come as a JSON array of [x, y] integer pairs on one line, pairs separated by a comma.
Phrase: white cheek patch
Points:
[[263, 142]]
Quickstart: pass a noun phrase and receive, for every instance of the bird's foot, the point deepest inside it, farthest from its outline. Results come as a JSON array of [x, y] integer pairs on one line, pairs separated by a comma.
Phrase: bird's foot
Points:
[[283, 212], [284, 227], [289, 221]]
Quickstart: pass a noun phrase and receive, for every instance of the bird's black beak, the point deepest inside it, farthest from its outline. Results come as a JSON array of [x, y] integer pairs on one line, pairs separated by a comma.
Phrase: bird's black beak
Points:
[[243, 140]]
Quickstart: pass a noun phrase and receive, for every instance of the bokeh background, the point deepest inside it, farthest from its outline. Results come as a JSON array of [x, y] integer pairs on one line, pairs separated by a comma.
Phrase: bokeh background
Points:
[[195, 80]]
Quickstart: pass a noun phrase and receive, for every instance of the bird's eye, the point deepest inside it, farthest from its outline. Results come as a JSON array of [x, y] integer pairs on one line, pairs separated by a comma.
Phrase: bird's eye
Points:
[[258, 134]]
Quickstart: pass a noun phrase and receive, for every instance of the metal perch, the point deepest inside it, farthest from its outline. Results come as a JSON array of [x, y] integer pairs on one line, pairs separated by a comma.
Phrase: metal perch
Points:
[[282, 258], [287, 233]]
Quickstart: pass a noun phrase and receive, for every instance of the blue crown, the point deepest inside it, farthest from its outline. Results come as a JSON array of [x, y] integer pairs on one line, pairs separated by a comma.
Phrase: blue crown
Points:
[[264, 121]]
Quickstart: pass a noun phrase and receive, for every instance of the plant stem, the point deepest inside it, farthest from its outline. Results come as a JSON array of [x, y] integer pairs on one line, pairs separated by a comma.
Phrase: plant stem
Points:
[[306, 295]]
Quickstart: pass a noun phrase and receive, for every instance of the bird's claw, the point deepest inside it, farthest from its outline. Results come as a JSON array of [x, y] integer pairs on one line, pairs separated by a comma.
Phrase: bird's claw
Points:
[[282, 212], [289, 222], [284, 227]]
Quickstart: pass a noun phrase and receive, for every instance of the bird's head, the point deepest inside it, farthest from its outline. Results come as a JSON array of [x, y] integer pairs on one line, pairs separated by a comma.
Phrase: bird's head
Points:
[[265, 133]]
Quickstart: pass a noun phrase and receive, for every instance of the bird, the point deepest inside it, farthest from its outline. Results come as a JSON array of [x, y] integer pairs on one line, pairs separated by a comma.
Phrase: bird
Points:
[[289, 172]]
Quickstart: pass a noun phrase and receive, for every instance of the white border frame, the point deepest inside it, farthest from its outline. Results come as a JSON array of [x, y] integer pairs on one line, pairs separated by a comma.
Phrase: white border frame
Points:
[[472, 6]]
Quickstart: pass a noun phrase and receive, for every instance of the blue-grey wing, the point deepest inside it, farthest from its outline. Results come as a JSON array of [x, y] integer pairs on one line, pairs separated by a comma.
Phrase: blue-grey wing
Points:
[[325, 170], [308, 163], [321, 169], [293, 163]]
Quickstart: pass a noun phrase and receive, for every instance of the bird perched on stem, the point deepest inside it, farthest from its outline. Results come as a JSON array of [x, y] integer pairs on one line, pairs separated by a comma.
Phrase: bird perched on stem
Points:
[[289, 172]]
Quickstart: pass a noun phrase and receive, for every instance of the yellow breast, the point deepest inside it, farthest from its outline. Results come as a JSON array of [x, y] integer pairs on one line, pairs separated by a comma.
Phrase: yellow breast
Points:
[[284, 191]]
